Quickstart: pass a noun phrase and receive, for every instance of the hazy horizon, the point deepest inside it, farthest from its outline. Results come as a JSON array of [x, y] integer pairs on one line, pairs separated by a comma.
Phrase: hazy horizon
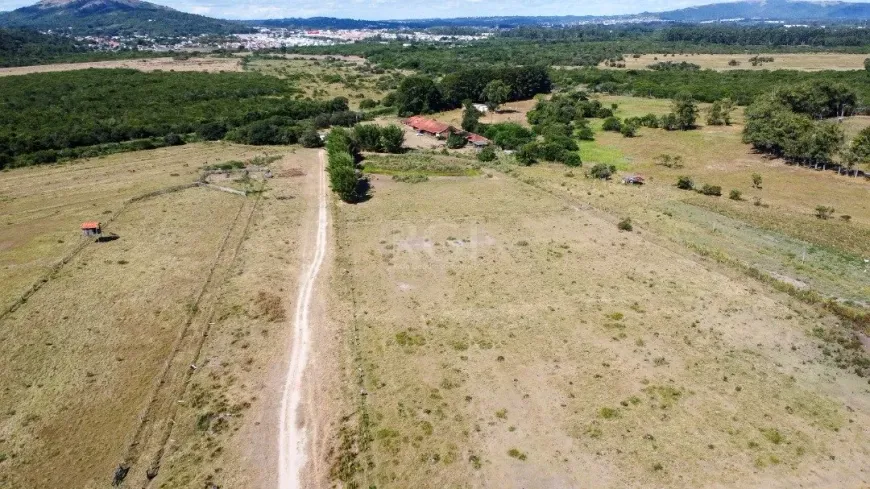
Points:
[[408, 9]]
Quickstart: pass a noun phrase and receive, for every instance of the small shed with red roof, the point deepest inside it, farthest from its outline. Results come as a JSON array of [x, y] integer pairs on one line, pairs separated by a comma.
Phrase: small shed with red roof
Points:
[[92, 228]]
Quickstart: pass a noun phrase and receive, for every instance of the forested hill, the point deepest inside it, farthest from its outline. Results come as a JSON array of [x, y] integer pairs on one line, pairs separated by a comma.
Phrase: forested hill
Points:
[[20, 47], [772, 10], [115, 17]]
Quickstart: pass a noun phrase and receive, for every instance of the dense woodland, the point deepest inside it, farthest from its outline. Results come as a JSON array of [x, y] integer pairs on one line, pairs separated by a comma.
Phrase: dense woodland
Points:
[[44, 117], [21, 47]]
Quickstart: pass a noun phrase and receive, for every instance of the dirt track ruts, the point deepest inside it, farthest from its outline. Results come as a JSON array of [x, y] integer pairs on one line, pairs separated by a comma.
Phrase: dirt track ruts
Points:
[[291, 441]]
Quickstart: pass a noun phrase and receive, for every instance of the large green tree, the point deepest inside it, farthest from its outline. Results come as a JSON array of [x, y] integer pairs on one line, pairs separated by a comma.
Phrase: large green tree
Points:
[[685, 110], [470, 117], [418, 95], [495, 93]]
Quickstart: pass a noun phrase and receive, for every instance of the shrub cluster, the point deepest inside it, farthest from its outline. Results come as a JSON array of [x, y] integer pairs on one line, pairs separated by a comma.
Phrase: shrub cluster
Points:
[[788, 122], [371, 137], [345, 178]]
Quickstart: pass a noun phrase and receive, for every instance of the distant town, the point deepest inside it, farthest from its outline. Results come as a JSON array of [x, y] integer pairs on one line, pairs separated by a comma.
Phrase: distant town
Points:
[[268, 38]]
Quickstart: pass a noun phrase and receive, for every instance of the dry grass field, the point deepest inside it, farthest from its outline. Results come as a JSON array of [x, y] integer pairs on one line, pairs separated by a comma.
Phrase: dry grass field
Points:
[[211, 65], [43, 206], [781, 61], [95, 363], [485, 326], [328, 77], [526, 342], [509, 112]]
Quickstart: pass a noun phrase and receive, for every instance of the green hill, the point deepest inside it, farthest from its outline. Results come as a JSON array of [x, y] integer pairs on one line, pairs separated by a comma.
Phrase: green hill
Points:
[[115, 17]]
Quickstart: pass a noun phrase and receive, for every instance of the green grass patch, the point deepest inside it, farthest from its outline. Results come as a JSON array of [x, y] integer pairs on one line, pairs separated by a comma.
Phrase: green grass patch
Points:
[[593, 152], [417, 164]]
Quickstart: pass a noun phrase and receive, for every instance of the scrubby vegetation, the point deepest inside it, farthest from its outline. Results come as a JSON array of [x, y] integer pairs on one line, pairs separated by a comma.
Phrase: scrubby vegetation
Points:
[[788, 122]]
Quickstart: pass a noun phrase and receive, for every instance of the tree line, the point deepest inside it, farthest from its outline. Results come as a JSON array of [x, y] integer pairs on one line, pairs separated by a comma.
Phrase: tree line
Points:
[[741, 86], [422, 94], [794, 123], [345, 177]]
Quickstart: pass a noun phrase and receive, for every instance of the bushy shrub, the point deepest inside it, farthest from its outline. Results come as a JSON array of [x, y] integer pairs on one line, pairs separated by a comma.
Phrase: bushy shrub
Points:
[[486, 154], [527, 154], [625, 224], [392, 138], [211, 131], [344, 177], [685, 183], [602, 171], [456, 141], [367, 103], [585, 133], [508, 135], [628, 130], [714, 190], [310, 138], [735, 195], [824, 212], [571, 159], [172, 139], [367, 137], [612, 124]]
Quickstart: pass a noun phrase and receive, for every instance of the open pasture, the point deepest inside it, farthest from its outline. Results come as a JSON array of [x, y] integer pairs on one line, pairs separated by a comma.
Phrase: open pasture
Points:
[[328, 77], [781, 61], [210, 65], [44, 206], [528, 342], [772, 226], [95, 361]]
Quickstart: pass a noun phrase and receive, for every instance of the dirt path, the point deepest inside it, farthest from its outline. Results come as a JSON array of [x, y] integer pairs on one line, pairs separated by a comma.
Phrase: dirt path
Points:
[[292, 436]]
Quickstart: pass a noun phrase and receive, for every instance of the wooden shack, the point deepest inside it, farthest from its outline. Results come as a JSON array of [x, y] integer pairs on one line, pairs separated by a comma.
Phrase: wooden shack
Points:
[[92, 228]]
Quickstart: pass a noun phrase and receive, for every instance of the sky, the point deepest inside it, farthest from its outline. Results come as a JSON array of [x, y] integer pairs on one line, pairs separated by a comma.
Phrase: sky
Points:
[[406, 9]]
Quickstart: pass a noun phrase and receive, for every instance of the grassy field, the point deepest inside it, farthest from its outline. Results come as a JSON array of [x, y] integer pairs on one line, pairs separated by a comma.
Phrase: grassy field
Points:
[[147, 64], [328, 77], [772, 227], [421, 164], [528, 342], [781, 61], [95, 362]]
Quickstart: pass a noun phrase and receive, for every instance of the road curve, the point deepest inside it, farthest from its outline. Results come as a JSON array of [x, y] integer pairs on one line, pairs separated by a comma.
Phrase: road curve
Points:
[[291, 442]]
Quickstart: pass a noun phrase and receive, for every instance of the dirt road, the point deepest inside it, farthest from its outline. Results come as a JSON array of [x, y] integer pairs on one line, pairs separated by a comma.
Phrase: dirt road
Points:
[[292, 436]]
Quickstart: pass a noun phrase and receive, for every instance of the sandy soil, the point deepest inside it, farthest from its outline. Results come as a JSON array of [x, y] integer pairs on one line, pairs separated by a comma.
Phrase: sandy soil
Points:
[[210, 65], [719, 62]]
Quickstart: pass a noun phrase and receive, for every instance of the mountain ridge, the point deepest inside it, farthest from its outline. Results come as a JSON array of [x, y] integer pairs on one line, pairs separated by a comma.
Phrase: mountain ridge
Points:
[[116, 17]]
